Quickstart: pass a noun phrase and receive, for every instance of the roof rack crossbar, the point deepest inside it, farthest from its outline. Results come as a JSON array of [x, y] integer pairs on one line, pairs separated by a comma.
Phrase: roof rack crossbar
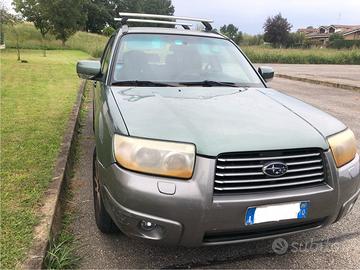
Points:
[[126, 16], [125, 20]]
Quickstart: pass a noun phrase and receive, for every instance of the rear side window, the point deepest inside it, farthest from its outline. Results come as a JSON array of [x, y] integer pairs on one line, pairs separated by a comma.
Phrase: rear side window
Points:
[[105, 60]]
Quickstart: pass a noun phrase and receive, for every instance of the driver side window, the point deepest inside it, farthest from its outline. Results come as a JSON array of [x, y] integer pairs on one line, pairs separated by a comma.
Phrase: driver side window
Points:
[[105, 60]]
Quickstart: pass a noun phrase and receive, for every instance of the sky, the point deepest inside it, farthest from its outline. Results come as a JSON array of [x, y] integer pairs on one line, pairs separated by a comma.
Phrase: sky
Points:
[[249, 16]]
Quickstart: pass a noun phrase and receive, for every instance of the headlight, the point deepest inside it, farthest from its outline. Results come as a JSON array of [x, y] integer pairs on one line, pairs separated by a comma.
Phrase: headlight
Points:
[[155, 157], [343, 147]]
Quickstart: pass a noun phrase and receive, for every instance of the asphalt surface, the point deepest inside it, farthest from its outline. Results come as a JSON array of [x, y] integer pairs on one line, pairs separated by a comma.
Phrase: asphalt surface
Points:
[[337, 246], [342, 74]]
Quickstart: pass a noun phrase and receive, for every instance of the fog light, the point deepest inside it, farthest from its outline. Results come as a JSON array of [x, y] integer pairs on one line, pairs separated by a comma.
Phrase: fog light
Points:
[[147, 225]]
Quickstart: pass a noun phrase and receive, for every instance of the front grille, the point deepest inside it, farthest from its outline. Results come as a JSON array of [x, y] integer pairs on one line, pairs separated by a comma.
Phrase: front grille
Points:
[[243, 172]]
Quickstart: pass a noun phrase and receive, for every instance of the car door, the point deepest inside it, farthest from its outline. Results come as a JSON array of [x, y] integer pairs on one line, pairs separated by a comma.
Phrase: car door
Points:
[[103, 126]]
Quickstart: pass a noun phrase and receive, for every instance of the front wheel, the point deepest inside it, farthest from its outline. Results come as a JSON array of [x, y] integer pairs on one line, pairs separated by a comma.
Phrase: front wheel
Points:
[[102, 217]]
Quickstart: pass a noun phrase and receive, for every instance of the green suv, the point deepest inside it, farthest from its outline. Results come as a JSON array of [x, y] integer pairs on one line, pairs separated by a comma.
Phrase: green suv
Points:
[[193, 148]]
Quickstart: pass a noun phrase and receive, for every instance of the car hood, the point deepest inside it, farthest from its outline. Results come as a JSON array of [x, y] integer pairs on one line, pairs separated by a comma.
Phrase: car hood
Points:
[[215, 119]]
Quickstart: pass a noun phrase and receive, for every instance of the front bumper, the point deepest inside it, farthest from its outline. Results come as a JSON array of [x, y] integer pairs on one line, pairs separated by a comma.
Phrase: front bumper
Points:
[[187, 212]]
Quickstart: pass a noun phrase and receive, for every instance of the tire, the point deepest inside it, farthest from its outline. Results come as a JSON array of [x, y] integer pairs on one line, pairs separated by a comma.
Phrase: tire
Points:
[[103, 220]]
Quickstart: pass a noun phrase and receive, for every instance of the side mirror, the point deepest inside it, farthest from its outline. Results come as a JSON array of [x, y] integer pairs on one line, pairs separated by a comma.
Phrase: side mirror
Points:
[[88, 69], [267, 73]]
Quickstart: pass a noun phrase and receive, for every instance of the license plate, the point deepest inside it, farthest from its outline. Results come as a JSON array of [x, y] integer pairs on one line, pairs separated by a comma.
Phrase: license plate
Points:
[[276, 212]]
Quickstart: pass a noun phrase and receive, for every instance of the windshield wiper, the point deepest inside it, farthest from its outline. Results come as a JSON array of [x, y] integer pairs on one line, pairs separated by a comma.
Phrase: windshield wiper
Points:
[[210, 83], [142, 83]]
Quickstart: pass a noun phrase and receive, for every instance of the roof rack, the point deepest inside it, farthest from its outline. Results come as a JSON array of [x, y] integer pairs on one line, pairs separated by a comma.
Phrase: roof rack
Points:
[[169, 20]]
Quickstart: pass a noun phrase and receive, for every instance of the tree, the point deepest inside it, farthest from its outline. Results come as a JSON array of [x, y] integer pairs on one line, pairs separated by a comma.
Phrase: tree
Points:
[[251, 40], [277, 30], [34, 12], [99, 15], [11, 21], [296, 40], [5, 18], [335, 36], [65, 17], [232, 32], [162, 7]]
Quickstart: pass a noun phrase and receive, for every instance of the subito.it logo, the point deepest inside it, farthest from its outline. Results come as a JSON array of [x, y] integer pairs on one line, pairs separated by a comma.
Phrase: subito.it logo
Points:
[[280, 246]]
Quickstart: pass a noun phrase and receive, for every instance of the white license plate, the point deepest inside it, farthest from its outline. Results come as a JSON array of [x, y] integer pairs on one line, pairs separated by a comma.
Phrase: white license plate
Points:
[[276, 212]]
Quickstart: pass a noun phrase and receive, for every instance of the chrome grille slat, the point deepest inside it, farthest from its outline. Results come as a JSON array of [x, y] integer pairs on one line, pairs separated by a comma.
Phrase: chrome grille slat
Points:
[[304, 162], [239, 174], [305, 169], [238, 167], [272, 179], [267, 179], [243, 172], [271, 186], [269, 158]]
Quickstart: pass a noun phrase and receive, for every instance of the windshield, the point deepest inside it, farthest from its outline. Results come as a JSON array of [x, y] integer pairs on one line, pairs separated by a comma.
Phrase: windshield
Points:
[[179, 59]]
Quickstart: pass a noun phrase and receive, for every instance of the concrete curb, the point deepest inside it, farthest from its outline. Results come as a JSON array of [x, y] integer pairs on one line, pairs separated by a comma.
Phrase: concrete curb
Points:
[[50, 211], [325, 83]]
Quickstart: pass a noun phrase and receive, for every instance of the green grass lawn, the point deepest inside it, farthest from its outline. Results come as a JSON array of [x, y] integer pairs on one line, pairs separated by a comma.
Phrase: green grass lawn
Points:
[[30, 38], [36, 100]]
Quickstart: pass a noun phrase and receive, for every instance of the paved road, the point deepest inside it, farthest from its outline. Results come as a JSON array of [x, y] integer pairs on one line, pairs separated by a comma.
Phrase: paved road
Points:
[[342, 74], [338, 246]]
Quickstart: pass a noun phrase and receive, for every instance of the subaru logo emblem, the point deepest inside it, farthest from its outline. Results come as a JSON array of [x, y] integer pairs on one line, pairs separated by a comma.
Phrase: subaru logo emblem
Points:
[[275, 169]]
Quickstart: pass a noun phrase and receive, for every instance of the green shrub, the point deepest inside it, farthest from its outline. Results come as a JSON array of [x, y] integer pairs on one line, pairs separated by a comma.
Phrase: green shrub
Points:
[[250, 40], [259, 54], [336, 36], [344, 44], [108, 31]]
